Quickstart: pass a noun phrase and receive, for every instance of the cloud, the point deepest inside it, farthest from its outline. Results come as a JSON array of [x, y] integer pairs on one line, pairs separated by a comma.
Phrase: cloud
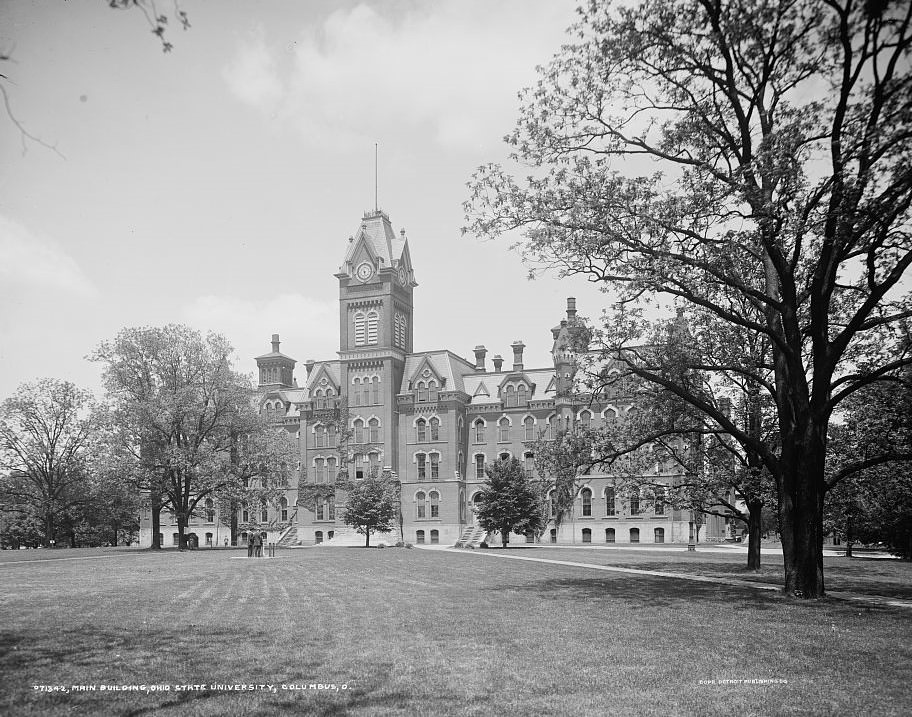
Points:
[[450, 70], [251, 76], [308, 327], [27, 260]]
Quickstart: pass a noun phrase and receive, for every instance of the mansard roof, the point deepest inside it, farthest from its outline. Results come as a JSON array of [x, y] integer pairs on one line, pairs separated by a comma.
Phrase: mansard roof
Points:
[[382, 241], [540, 380], [330, 369], [445, 364]]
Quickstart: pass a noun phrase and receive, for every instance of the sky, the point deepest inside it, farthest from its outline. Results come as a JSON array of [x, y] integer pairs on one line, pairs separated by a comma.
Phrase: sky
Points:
[[217, 185]]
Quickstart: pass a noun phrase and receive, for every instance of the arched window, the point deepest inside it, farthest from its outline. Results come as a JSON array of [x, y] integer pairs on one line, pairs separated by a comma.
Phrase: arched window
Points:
[[553, 427], [419, 536], [659, 535], [434, 499], [373, 319], [435, 429], [245, 514], [421, 430], [330, 393], [635, 502], [360, 322], [552, 504], [529, 463], [552, 535], [660, 502], [503, 430], [283, 509], [586, 496], [359, 430], [587, 535], [330, 470], [522, 395], [399, 330], [331, 435], [209, 539], [320, 434], [356, 392], [373, 460], [510, 397], [264, 512], [365, 393], [374, 430], [479, 430], [504, 456], [460, 430], [609, 535], [435, 537], [610, 416], [210, 511], [529, 428], [421, 499], [422, 392], [421, 459], [479, 466], [585, 420], [319, 470], [432, 390], [634, 535], [435, 466], [318, 537], [375, 387], [609, 501]]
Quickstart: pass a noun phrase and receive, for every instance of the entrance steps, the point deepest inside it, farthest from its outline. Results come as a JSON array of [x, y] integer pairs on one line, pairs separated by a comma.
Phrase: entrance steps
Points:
[[471, 537], [289, 538]]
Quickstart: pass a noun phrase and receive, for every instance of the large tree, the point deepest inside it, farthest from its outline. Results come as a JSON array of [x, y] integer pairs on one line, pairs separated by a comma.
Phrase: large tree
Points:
[[181, 412], [47, 433], [509, 502], [767, 181]]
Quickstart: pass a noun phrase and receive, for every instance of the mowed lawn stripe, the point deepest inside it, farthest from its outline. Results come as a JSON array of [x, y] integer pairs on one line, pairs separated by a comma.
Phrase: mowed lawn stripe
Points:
[[434, 632]]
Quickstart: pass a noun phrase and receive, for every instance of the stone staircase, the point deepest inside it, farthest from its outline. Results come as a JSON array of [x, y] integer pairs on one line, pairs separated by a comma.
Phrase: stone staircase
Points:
[[348, 537], [289, 538], [471, 537]]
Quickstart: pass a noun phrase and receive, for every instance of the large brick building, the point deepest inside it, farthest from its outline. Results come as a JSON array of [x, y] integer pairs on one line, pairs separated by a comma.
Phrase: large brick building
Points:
[[432, 417]]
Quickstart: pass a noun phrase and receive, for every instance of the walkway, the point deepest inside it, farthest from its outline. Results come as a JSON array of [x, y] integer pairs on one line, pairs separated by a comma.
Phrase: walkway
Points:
[[856, 597]]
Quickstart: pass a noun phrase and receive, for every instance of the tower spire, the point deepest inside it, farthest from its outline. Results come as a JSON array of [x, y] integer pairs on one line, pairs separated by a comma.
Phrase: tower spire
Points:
[[376, 178]]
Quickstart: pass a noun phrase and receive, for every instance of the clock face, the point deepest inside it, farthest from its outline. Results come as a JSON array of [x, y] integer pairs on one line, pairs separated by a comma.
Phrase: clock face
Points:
[[402, 275], [365, 271]]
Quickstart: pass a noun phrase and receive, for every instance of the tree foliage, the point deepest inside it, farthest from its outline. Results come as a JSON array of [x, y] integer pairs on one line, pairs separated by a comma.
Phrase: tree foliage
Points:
[[372, 504], [185, 420], [48, 432], [509, 502], [766, 182]]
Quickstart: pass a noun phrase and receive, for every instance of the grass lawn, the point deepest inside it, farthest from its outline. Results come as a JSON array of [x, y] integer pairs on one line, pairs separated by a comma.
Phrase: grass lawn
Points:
[[428, 633], [868, 576]]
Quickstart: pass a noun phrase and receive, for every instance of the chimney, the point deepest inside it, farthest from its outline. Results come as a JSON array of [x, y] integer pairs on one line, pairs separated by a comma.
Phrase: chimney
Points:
[[309, 365], [275, 343], [480, 353], [498, 362], [518, 347], [571, 307]]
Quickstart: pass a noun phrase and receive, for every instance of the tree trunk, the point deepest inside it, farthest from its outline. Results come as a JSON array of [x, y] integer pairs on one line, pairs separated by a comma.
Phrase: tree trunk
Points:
[[181, 528], [156, 521], [234, 523], [848, 538], [367, 537], [504, 535], [801, 516], [48, 529], [753, 534]]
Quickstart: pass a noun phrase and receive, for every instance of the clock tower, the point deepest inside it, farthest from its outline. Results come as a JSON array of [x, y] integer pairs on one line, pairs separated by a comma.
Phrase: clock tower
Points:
[[376, 282]]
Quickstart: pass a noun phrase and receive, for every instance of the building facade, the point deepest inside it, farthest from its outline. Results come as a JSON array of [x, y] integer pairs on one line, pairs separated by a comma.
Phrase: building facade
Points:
[[433, 418]]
